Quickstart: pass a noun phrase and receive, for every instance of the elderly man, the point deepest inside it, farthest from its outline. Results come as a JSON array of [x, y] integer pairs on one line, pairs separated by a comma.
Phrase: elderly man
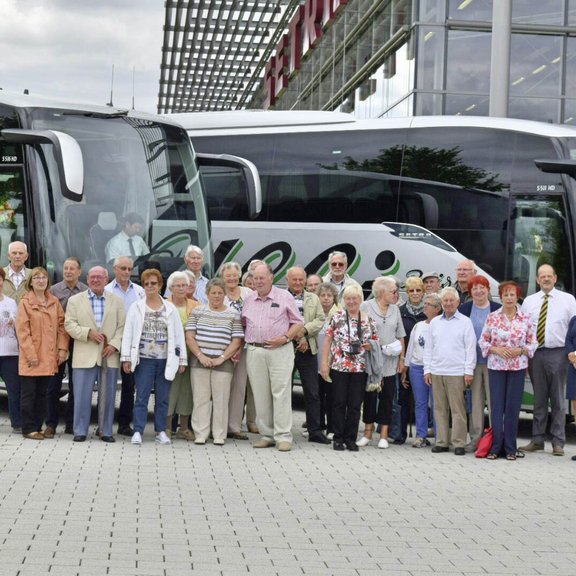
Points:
[[194, 260], [464, 271], [338, 262], [306, 351], [431, 282], [128, 242], [449, 360], [312, 283], [95, 320], [272, 322], [70, 286], [16, 271], [129, 292], [551, 311]]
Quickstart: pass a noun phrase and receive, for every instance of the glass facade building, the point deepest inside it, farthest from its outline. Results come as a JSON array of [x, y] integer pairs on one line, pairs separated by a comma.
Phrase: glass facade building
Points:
[[391, 58]]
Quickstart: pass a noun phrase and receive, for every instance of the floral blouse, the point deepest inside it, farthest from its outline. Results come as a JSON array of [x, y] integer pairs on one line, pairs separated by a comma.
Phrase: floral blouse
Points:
[[516, 333], [342, 359]]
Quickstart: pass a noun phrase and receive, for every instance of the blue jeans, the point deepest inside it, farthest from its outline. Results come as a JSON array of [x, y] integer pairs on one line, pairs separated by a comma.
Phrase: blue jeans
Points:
[[149, 374], [9, 373], [422, 397], [506, 389]]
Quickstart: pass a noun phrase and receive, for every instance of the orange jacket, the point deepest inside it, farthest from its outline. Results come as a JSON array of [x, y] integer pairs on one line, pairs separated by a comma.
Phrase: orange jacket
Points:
[[40, 332]]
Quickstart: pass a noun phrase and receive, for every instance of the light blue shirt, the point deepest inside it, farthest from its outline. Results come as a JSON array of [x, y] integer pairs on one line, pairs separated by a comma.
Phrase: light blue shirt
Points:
[[450, 349], [129, 296]]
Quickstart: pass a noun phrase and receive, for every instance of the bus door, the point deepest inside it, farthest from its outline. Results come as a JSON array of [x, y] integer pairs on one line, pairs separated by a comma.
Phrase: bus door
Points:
[[11, 208]]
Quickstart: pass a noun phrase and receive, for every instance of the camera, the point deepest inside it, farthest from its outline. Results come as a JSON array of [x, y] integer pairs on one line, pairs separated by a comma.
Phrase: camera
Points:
[[355, 347]]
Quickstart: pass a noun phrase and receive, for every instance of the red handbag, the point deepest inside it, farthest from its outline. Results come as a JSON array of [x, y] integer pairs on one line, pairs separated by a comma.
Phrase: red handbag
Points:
[[485, 443]]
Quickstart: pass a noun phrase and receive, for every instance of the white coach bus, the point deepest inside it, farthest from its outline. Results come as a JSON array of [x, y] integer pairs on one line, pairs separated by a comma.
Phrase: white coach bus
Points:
[[400, 196]]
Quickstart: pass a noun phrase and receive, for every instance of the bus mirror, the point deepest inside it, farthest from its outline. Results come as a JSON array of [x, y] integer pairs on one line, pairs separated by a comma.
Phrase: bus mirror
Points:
[[249, 172], [556, 166], [67, 153]]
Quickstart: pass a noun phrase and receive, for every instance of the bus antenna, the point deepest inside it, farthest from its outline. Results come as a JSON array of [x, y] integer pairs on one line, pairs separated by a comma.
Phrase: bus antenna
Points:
[[133, 76], [111, 89]]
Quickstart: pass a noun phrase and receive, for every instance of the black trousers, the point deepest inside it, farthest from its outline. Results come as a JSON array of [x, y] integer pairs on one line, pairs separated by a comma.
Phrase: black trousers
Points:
[[126, 408], [33, 402], [378, 405], [53, 395], [347, 395], [307, 365], [326, 402]]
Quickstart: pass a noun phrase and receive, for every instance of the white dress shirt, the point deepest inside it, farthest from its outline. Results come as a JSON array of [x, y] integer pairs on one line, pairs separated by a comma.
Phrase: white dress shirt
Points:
[[561, 308], [450, 349], [119, 246]]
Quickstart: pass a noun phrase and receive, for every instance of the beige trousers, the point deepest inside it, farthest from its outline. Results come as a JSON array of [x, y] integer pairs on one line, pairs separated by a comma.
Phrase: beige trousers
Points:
[[270, 373], [449, 397], [211, 392], [480, 396], [237, 395]]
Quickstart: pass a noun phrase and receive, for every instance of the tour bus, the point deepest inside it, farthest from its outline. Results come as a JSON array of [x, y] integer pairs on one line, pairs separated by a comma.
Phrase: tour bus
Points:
[[400, 196], [69, 172]]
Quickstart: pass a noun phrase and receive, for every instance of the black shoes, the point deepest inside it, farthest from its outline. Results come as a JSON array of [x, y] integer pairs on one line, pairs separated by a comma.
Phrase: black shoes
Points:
[[79, 438], [459, 451], [352, 447], [125, 430], [339, 446], [437, 449], [110, 439], [319, 438]]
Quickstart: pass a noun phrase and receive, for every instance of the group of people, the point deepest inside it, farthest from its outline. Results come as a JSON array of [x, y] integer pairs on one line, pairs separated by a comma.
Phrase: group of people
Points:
[[217, 350]]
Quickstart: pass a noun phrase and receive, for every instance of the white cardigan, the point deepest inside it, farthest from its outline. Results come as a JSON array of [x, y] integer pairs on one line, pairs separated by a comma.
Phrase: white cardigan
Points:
[[130, 352]]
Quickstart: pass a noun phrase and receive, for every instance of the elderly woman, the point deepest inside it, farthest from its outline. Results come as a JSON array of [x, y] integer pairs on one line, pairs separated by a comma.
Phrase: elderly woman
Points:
[[214, 335], [154, 349], [415, 364], [43, 347], [508, 339], [191, 287], [248, 280], [230, 272], [328, 295], [9, 355], [412, 311], [180, 399], [386, 316], [477, 310], [343, 363]]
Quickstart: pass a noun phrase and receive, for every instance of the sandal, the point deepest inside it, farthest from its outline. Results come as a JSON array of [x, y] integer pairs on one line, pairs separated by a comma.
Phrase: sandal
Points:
[[492, 456], [511, 457]]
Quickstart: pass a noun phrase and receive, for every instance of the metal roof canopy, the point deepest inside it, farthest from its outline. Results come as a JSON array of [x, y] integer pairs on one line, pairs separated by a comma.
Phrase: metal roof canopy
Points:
[[214, 51]]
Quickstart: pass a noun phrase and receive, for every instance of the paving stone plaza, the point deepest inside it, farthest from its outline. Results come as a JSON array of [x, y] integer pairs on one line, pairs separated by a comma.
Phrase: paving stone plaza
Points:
[[121, 510]]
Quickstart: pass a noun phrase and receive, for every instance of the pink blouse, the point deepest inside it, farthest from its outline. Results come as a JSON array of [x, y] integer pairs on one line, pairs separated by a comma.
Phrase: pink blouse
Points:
[[499, 331]]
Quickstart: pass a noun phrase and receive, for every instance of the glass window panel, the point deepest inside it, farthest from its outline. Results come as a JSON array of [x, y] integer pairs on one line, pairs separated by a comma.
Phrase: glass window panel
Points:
[[570, 64], [569, 113], [430, 58], [428, 104], [468, 62], [571, 12], [542, 109], [535, 65], [467, 105], [538, 12], [431, 10], [470, 10]]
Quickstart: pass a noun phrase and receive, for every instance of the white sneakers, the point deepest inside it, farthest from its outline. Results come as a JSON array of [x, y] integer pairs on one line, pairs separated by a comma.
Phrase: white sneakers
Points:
[[364, 441], [162, 438], [137, 438], [383, 443]]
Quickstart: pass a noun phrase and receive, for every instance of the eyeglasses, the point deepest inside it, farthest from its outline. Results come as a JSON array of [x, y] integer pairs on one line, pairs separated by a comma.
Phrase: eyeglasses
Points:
[[392, 291], [151, 283], [337, 264], [464, 269], [415, 290], [125, 268], [39, 278]]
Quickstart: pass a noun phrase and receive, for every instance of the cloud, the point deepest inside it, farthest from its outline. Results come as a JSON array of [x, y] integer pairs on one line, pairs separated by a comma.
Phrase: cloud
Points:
[[63, 48]]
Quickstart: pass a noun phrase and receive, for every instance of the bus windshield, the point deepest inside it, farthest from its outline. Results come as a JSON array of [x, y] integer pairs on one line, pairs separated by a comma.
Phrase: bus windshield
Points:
[[131, 165]]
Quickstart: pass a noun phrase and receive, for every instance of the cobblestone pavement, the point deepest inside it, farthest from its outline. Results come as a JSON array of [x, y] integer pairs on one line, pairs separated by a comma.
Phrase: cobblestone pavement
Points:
[[117, 509]]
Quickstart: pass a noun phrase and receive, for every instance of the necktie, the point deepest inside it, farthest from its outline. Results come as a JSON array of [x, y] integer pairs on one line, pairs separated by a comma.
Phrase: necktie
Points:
[[541, 329], [131, 245]]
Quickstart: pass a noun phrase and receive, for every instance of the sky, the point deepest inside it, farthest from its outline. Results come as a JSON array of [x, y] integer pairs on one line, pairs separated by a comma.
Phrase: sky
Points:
[[66, 48]]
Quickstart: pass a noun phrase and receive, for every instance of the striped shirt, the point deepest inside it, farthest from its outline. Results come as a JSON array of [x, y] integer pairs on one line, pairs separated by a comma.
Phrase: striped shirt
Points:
[[269, 317], [214, 330]]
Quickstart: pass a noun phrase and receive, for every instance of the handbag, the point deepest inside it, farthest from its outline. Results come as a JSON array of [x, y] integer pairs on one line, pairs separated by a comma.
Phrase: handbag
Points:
[[485, 443]]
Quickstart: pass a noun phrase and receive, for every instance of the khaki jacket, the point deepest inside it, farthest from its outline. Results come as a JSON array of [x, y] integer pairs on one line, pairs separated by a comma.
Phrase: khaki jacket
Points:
[[40, 332], [313, 320], [10, 289], [80, 319]]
